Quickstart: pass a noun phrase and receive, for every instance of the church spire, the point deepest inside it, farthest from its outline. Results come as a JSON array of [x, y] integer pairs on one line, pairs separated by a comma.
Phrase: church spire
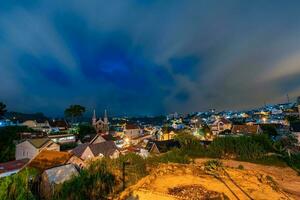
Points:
[[105, 117], [94, 119]]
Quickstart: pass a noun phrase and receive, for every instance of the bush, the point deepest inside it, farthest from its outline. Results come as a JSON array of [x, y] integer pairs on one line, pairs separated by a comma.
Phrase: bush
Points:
[[242, 148], [17, 186], [7, 136], [241, 167], [212, 165], [173, 156], [96, 182], [135, 167], [293, 161]]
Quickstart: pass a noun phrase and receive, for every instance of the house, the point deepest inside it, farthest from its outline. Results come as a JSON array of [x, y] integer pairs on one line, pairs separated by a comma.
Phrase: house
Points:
[[97, 139], [55, 176], [59, 125], [157, 147], [11, 167], [63, 138], [246, 129], [220, 125], [31, 147], [39, 125], [131, 131], [197, 122], [166, 133], [89, 151], [48, 159]]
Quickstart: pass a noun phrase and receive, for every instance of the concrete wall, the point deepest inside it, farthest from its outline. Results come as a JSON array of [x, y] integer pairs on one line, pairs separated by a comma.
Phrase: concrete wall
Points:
[[25, 150]]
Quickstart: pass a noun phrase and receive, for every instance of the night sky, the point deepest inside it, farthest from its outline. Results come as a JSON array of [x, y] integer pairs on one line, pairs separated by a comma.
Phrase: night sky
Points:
[[148, 56]]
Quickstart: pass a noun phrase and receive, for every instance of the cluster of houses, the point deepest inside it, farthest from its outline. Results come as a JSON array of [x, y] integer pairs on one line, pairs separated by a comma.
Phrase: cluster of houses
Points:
[[45, 153]]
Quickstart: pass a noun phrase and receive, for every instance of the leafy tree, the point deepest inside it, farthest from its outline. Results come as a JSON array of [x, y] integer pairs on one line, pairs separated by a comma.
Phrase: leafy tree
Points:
[[7, 136], [85, 129], [292, 118], [74, 112], [2, 109], [269, 130]]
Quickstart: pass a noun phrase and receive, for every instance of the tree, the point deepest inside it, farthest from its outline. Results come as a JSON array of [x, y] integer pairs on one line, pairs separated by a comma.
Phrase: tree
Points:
[[8, 135], [2, 109], [85, 129], [74, 111]]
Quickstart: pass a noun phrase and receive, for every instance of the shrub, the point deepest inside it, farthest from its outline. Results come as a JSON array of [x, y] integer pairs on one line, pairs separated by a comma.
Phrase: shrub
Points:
[[212, 165], [174, 156], [242, 148], [135, 167], [96, 182], [17, 186], [240, 167]]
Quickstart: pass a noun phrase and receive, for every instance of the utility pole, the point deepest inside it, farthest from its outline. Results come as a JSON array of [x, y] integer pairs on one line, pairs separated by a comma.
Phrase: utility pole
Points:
[[288, 98], [123, 174]]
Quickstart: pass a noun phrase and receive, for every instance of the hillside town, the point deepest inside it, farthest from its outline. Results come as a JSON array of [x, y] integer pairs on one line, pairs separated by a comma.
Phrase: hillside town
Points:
[[59, 150]]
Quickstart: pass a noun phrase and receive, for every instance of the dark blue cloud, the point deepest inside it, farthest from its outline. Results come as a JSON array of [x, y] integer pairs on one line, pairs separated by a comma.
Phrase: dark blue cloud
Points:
[[145, 57], [46, 68], [186, 66], [182, 96]]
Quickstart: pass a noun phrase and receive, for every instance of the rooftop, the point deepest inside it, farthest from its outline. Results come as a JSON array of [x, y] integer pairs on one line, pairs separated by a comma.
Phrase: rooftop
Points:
[[48, 159]]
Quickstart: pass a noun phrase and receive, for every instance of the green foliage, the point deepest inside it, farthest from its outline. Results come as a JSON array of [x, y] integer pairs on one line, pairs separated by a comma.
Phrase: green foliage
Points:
[[94, 183], [16, 187], [212, 165], [85, 129], [190, 145], [68, 146], [285, 143], [186, 139], [135, 168], [269, 130], [74, 111], [241, 167], [2, 109], [7, 137], [293, 161], [242, 148], [292, 119], [174, 156]]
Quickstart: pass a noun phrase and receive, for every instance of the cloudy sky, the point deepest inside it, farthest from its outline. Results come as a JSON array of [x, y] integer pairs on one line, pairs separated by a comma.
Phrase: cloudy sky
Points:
[[148, 57]]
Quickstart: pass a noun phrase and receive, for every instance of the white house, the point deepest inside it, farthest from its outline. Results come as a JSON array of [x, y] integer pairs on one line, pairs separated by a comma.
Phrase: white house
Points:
[[38, 125], [31, 147], [220, 125], [132, 131]]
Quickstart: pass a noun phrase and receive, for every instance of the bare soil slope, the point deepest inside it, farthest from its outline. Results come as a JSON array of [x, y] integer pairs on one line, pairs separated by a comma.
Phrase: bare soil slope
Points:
[[193, 181]]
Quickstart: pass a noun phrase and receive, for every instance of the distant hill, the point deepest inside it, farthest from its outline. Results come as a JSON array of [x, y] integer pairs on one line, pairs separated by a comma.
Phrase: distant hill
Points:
[[21, 117]]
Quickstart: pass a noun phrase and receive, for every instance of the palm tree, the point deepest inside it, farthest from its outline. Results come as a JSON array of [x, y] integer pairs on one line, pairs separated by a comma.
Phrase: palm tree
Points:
[[74, 111], [2, 109]]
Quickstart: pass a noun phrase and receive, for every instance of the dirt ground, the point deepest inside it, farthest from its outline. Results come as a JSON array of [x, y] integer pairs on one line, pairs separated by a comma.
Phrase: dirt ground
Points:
[[253, 182]]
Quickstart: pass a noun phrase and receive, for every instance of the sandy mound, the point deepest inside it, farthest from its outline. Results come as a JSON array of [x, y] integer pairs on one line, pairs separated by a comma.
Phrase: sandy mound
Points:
[[194, 181]]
